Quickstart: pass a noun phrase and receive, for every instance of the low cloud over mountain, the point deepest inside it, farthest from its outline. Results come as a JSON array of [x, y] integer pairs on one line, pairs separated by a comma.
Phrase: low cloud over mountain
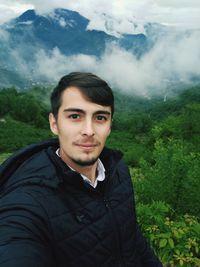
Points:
[[42, 48]]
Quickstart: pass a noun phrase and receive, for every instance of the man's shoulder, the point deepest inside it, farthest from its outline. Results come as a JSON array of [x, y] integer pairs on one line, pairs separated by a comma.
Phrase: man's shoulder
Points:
[[29, 161]]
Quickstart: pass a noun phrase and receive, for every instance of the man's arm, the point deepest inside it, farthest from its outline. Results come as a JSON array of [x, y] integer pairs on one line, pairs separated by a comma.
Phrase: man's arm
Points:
[[24, 237]]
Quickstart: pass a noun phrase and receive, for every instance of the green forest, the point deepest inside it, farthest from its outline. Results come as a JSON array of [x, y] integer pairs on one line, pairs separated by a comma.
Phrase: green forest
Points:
[[160, 139]]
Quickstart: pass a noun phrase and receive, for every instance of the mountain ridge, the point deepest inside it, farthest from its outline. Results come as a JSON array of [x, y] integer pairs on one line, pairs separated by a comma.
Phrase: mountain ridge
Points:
[[65, 36], [62, 29]]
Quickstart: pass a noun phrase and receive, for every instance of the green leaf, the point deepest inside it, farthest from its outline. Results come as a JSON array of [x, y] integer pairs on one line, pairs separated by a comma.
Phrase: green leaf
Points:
[[171, 242], [181, 262], [162, 243]]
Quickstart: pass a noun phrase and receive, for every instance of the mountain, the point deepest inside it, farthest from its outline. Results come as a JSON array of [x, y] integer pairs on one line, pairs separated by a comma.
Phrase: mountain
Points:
[[66, 30], [62, 29]]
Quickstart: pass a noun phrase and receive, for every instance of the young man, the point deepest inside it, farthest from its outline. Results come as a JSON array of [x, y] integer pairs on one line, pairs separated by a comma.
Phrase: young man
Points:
[[70, 203]]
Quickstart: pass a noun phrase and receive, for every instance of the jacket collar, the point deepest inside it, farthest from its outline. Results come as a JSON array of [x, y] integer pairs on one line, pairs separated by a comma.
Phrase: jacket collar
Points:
[[109, 157]]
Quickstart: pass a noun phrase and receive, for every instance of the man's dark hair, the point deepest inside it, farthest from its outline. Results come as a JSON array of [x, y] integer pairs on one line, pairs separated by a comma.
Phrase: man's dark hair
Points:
[[93, 87]]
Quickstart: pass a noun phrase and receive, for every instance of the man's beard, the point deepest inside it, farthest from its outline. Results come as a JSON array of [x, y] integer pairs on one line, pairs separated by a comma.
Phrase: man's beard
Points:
[[84, 163]]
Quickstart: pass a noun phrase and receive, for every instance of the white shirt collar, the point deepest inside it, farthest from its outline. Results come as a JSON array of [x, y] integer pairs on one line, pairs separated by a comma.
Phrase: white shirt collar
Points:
[[100, 172]]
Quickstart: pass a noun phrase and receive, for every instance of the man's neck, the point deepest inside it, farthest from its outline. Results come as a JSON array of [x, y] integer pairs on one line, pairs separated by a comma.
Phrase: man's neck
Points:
[[89, 171]]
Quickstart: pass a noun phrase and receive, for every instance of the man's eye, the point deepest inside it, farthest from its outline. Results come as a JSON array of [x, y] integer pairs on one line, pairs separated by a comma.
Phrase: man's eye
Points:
[[101, 118], [74, 116]]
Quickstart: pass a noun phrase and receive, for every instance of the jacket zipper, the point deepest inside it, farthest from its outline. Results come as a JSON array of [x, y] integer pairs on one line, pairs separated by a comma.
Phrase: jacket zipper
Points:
[[112, 217]]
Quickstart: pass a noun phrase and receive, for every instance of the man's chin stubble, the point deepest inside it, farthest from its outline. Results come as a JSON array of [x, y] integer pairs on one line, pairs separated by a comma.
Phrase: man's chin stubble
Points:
[[85, 163]]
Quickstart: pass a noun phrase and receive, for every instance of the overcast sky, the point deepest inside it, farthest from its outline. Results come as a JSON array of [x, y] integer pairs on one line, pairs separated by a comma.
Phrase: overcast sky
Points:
[[181, 13]]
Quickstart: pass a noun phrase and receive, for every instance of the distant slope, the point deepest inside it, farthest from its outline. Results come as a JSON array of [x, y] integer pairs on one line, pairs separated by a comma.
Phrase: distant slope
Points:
[[63, 29]]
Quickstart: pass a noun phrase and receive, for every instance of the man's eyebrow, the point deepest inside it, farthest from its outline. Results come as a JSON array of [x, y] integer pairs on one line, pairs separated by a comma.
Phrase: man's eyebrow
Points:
[[102, 112], [82, 111], [73, 110]]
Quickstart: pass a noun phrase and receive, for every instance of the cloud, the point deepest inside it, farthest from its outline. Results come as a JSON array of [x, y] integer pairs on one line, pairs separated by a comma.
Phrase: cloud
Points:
[[10, 9], [173, 59], [115, 16], [177, 4], [4, 36], [53, 65]]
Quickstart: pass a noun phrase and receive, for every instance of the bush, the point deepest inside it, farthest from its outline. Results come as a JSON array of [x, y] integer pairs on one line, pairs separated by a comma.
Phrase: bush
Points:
[[185, 126], [176, 241], [173, 178]]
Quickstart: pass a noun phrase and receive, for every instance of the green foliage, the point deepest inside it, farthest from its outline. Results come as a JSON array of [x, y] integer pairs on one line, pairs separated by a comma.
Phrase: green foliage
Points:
[[15, 135], [23, 107], [185, 126], [159, 108], [132, 149], [135, 123], [190, 122], [190, 96], [173, 178], [4, 156], [126, 103], [41, 94], [168, 128], [175, 240]]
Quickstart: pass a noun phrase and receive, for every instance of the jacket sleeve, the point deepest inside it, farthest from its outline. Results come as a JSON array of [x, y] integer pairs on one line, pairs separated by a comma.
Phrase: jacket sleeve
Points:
[[23, 232], [147, 255]]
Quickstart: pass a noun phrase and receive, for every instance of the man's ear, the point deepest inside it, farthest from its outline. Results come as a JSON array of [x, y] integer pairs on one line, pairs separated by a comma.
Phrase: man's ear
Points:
[[53, 124]]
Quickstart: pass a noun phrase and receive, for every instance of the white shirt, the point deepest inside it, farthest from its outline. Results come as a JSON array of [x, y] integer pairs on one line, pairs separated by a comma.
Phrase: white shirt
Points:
[[100, 172]]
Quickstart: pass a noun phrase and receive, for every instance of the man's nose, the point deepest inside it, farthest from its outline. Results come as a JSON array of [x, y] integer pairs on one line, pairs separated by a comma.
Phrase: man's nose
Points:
[[88, 128]]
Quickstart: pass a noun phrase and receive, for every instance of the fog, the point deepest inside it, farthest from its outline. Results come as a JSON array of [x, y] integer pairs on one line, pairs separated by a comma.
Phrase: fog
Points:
[[4, 36], [119, 14], [174, 59]]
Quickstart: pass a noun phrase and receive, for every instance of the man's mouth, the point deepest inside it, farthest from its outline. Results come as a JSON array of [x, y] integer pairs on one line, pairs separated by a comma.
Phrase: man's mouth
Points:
[[87, 146]]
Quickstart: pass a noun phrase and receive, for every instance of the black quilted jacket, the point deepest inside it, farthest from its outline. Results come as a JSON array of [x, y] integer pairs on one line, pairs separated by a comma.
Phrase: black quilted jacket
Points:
[[49, 217]]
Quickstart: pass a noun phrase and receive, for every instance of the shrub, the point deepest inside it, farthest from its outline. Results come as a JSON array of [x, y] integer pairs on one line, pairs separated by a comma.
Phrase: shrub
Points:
[[173, 178], [176, 241]]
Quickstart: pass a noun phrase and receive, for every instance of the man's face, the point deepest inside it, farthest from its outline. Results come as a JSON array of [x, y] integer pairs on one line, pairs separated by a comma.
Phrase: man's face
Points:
[[82, 128]]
